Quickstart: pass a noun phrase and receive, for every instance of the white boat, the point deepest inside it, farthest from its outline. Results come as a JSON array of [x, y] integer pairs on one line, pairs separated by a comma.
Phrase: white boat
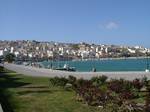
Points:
[[147, 70], [66, 67]]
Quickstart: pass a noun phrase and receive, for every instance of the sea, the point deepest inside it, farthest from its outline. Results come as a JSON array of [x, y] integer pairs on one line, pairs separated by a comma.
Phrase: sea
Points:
[[102, 65]]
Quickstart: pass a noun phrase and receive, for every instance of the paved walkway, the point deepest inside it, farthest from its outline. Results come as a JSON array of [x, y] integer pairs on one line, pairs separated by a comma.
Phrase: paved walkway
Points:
[[42, 72]]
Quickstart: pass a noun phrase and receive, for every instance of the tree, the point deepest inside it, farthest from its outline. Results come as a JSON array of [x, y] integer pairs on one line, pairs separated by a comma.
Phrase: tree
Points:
[[75, 46], [9, 57], [125, 53]]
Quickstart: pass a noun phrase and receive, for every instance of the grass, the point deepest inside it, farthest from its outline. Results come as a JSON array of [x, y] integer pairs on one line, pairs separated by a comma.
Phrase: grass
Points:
[[21, 93]]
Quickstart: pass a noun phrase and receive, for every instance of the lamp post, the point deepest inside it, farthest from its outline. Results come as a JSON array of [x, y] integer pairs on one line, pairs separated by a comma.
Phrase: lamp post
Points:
[[147, 63]]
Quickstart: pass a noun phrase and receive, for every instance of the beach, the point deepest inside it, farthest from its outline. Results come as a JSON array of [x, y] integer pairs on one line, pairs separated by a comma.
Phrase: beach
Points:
[[42, 72]]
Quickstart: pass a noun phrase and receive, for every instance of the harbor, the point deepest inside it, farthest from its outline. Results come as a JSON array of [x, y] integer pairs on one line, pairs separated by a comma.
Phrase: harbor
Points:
[[109, 65]]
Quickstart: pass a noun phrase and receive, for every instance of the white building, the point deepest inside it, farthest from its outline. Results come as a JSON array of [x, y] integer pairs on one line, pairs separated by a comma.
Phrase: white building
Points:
[[30, 55], [148, 50], [97, 49], [1, 52], [37, 48], [50, 53], [143, 51], [68, 51], [11, 49], [84, 54], [97, 55], [131, 50], [100, 52], [106, 50], [138, 47], [16, 53]]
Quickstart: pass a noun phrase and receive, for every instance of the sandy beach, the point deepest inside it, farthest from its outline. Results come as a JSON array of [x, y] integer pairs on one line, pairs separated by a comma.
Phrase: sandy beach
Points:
[[42, 72]]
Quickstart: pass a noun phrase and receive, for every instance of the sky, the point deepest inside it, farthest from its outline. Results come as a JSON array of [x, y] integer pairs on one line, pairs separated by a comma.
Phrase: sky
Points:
[[120, 22]]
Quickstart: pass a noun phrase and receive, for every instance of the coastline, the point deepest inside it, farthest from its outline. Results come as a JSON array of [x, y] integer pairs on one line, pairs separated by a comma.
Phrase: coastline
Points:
[[42, 72], [120, 58]]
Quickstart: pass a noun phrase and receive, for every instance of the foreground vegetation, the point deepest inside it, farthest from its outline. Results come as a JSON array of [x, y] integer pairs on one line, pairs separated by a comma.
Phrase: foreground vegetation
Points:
[[110, 96], [19, 93], [34, 94]]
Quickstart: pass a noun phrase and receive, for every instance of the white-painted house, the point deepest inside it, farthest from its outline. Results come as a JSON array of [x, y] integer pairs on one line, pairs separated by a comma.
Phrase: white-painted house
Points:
[[97, 49], [131, 50], [16, 53], [50, 53], [11, 49], [37, 48], [1, 52], [106, 50], [85, 54], [30, 55]]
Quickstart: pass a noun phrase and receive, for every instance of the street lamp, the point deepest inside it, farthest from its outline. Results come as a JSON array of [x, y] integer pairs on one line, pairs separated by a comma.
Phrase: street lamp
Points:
[[147, 63]]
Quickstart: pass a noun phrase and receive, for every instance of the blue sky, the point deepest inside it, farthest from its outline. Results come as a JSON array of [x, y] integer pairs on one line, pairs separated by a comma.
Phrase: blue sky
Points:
[[121, 22]]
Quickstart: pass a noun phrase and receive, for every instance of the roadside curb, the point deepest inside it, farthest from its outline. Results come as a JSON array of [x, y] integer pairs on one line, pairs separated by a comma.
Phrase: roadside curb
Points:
[[1, 110]]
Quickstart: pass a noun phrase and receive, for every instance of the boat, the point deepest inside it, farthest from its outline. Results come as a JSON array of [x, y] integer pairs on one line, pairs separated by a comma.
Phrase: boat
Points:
[[66, 67], [147, 70]]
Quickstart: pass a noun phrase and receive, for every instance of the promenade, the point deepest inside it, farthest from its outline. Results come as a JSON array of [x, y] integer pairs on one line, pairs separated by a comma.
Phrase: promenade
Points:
[[42, 72]]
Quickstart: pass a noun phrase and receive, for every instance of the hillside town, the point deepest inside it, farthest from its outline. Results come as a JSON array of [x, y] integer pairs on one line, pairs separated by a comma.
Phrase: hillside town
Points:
[[31, 49]]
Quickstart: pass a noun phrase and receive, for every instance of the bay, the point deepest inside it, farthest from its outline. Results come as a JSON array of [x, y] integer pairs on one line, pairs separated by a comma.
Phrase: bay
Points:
[[103, 65]]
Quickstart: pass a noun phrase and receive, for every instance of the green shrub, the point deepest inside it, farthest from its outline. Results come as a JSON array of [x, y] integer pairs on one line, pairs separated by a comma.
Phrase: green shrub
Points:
[[91, 94], [114, 95], [10, 57], [62, 81], [147, 102], [58, 81], [52, 81], [138, 84], [125, 95], [80, 82], [99, 80], [68, 87], [72, 79], [119, 86], [1, 68], [144, 81], [111, 107], [128, 106]]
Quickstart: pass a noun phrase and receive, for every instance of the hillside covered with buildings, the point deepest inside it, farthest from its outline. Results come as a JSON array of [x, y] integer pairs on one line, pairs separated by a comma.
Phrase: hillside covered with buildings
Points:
[[25, 49]]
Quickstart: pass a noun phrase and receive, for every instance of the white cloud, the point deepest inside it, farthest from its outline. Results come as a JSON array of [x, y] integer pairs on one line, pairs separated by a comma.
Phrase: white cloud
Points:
[[111, 25]]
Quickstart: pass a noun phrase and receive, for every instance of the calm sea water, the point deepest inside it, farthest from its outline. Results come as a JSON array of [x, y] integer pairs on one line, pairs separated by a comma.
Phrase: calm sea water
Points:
[[103, 65]]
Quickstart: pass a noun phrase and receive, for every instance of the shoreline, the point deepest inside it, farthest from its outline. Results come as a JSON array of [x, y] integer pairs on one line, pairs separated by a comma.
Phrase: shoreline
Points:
[[120, 58], [42, 72], [97, 59]]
